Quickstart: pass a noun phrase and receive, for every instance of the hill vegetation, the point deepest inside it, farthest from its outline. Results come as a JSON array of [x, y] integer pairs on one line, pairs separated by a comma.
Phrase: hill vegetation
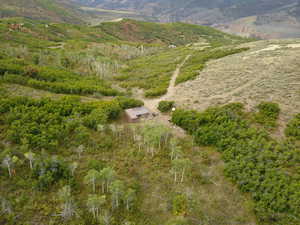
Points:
[[171, 34], [68, 156], [255, 18], [55, 11], [253, 160]]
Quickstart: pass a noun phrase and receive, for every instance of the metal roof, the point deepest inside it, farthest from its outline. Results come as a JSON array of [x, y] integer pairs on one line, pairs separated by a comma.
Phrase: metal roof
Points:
[[134, 113]]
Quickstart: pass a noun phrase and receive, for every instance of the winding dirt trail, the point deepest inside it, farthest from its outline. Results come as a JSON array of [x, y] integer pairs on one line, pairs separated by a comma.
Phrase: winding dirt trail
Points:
[[153, 103]]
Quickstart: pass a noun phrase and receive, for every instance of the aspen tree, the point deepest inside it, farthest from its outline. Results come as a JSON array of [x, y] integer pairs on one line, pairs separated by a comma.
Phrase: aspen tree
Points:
[[31, 157], [91, 178], [94, 204]]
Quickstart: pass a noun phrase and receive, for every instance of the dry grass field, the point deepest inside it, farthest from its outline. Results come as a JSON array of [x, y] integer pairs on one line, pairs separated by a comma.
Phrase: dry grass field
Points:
[[269, 71]]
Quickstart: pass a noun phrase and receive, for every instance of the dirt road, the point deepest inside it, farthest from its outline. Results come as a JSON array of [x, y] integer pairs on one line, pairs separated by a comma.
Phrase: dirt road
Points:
[[153, 103]]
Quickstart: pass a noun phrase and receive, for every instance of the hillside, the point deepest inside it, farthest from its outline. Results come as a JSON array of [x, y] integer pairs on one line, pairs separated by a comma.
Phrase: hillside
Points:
[[269, 71], [172, 33], [268, 19], [69, 156], [55, 11]]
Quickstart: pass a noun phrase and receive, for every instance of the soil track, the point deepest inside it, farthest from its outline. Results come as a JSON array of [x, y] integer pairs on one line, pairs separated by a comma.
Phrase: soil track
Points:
[[153, 103]]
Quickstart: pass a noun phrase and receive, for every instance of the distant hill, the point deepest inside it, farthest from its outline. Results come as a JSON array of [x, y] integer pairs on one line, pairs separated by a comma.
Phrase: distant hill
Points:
[[40, 34], [54, 10], [265, 19], [172, 33]]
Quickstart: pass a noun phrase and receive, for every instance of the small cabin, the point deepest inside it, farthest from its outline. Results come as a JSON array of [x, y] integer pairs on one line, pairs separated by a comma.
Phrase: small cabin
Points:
[[136, 114]]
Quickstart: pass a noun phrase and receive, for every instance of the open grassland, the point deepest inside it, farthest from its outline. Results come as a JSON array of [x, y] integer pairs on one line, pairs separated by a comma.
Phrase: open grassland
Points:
[[198, 59], [262, 73]]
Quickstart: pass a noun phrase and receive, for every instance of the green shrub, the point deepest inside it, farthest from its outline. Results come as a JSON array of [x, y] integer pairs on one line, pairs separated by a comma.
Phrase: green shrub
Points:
[[269, 109], [293, 127], [49, 171], [253, 160], [127, 103], [95, 118], [15, 79], [155, 92], [9, 67], [165, 106], [47, 123], [53, 79], [96, 164], [268, 114], [179, 205]]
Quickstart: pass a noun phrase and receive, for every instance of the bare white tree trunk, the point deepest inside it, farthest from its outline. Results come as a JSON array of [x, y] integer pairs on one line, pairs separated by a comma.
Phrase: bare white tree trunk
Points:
[[182, 175]]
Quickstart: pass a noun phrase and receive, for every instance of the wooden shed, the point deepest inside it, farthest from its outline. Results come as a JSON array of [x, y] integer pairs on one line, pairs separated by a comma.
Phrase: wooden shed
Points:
[[136, 114]]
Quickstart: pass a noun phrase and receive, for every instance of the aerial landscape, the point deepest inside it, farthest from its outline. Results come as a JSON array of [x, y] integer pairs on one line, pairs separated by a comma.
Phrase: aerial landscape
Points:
[[149, 112]]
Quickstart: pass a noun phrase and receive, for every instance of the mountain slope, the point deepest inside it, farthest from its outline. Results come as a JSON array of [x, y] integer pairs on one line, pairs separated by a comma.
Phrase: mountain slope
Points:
[[281, 14], [68, 157], [269, 71], [172, 33], [57, 10]]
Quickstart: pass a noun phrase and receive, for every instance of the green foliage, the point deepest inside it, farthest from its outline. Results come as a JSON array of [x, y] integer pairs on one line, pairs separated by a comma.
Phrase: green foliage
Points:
[[268, 114], [172, 33], [293, 128], [11, 66], [155, 92], [46, 123], [41, 34], [152, 73], [253, 160], [48, 10], [54, 79], [179, 205], [49, 171], [165, 106], [44, 56], [197, 61], [127, 103], [95, 118], [96, 164]]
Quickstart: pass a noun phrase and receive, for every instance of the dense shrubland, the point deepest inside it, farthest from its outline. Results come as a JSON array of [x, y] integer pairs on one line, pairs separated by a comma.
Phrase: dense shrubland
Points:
[[172, 33], [265, 168], [70, 160], [80, 186], [52, 79], [47, 124]]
